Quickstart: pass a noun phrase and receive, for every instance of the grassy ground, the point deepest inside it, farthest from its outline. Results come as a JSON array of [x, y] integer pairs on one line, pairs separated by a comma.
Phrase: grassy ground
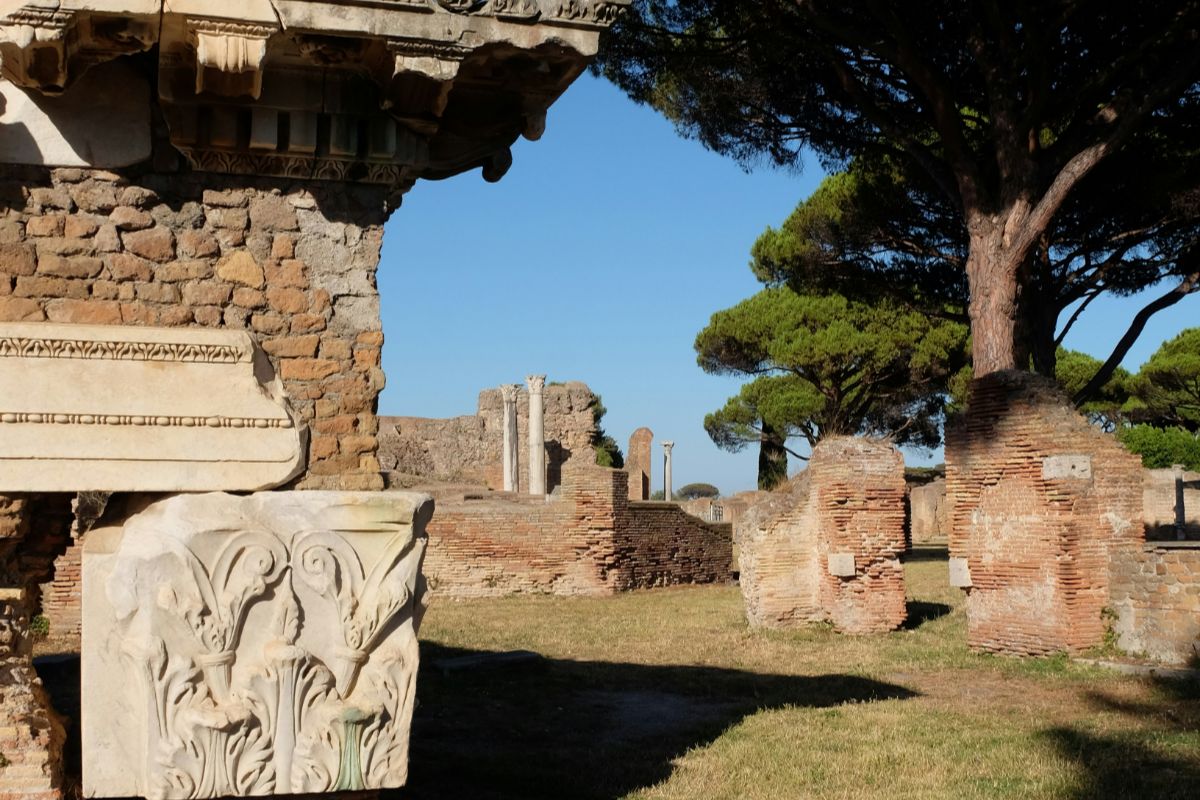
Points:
[[668, 694]]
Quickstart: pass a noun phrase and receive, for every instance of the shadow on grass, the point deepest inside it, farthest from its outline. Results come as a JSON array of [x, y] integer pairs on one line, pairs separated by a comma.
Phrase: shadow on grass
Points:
[[1155, 757], [587, 730], [555, 728], [920, 612], [921, 552]]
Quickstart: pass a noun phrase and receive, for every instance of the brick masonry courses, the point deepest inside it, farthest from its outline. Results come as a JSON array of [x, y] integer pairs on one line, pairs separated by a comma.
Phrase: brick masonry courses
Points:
[[848, 505], [588, 540], [277, 258], [1040, 503], [468, 448]]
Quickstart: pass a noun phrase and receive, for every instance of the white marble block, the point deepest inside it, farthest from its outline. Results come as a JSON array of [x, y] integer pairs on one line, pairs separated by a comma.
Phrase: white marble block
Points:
[[252, 645], [122, 408]]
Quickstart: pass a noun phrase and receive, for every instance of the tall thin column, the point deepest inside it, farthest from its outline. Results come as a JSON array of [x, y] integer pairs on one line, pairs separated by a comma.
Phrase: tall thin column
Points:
[[667, 470], [509, 392], [537, 435]]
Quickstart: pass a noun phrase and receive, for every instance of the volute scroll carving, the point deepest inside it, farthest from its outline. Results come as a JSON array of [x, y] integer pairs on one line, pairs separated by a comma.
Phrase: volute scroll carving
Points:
[[272, 639]]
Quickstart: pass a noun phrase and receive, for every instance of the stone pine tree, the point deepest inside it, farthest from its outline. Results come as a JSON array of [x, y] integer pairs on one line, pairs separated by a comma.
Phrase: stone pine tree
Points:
[[1167, 387], [823, 364], [869, 232], [1003, 109]]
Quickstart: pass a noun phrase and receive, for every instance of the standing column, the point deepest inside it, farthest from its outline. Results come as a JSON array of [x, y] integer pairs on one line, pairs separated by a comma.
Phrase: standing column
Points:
[[508, 392], [667, 470], [537, 435]]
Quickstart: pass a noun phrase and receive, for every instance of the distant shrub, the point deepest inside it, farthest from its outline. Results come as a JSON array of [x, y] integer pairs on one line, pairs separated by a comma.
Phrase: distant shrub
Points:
[[1162, 447]]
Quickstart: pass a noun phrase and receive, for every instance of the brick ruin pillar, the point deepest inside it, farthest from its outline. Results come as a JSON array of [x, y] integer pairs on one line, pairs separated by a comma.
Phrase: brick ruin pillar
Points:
[[31, 733], [828, 547], [537, 434], [667, 493], [637, 463], [217, 175], [509, 393], [1040, 505]]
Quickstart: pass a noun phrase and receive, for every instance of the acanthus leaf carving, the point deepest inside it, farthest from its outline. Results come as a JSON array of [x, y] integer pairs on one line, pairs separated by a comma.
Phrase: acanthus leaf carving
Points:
[[231, 706]]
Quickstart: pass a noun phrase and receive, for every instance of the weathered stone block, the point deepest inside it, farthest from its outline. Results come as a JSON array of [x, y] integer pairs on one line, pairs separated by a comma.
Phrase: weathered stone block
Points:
[[1072, 467], [164, 410], [960, 573], [841, 565], [252, 645]]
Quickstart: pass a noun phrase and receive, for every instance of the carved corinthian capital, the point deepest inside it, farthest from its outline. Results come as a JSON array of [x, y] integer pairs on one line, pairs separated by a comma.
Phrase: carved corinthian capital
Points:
[[249, 646]]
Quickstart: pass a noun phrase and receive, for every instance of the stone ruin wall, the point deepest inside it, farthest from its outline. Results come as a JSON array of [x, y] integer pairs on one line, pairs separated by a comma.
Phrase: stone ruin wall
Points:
[[1156, 598], [827, 546], [1159, 498], [1040, 504], [589, 540], [638, 456], [277, 259], [468, 449], [927, 522]]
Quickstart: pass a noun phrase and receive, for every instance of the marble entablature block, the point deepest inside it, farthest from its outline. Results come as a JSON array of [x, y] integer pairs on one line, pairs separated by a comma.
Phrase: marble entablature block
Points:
[[116, 408], [254, 645]]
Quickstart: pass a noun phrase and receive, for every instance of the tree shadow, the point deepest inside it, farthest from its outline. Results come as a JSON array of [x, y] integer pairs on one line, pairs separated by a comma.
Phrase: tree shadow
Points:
[[925, 552], [1124, 765], [587, 730], [920, 612], [553, 728]]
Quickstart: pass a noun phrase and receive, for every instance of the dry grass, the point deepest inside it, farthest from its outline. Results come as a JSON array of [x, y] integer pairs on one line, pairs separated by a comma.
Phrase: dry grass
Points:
[[668, 694]]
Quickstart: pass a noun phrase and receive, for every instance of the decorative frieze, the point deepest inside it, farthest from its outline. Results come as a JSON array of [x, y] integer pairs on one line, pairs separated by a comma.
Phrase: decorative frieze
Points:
[[252, 645], [113, 408], [352, 90]]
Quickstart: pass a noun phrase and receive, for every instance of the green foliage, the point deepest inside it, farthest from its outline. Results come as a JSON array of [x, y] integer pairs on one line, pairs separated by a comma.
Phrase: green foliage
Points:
[[1167, 387], [949, 124], [659, 495], [1073, 370], [608, 452], [694, 491], [39, 627], [828, 365], [1162, 447]]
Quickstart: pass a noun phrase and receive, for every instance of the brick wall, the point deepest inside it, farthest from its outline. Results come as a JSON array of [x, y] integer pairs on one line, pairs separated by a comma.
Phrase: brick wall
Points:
[[31, 734], [1039, 502], [468, 449], [844, 513], [1159, 498], [588, 540], [62, 598], [291, 262], [1156, 597]]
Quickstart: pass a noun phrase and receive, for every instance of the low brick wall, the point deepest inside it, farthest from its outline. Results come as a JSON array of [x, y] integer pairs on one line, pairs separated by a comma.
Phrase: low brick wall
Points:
[[1040, 502], [62, 598], [587, 541], [662, 545], [844, 514], [1156, 597]]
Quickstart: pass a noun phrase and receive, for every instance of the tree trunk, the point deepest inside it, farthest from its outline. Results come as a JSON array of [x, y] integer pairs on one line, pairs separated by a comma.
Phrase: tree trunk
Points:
[[772, 460], [994, 311]]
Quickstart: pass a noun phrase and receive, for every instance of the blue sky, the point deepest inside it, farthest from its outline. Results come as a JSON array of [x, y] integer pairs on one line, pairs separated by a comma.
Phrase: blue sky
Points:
[[599, 257]]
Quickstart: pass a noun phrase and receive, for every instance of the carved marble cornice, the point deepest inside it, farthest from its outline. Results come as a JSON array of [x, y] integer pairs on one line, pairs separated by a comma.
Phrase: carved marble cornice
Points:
[[385, 91]]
